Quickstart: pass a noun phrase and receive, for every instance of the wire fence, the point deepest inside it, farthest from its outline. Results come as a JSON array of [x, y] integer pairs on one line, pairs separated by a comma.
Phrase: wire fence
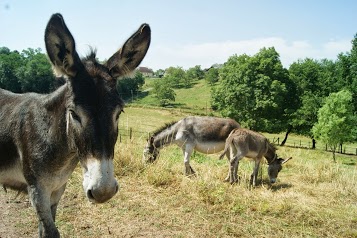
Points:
[[344, 149]]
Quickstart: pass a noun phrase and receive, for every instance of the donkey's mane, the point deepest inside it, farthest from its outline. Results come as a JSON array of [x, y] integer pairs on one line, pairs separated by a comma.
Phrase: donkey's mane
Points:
[[272, 146], [91, 56], [94, 67], [164, 127]]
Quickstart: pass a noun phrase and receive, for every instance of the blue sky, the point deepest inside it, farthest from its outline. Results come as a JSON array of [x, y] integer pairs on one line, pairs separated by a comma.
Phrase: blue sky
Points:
[[186, 33]]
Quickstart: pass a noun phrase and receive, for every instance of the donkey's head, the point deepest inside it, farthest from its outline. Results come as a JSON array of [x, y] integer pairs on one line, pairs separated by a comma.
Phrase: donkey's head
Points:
[[150, 151], [275, 167], [93, 104]]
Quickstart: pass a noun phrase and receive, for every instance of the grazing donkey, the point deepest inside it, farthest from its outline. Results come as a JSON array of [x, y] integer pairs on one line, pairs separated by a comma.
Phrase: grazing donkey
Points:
[[246, 143], [43, 137], [203, 134]]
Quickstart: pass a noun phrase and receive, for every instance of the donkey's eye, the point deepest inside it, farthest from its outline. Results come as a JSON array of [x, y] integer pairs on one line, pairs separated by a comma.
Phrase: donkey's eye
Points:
[[75, 116]]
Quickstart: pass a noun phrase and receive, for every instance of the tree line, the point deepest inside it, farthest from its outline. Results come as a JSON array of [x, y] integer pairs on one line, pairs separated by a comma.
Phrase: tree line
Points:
[[26, 71], [30, 71]]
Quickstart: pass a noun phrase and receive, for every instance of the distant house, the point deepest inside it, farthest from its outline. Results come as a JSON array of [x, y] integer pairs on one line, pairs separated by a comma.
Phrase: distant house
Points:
[[147, 72], [214, 66]]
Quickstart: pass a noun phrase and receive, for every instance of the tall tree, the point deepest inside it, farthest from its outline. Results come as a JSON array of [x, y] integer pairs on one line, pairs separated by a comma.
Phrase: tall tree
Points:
[[128, 86], [212, 76], [252, 90], [176, 77], [306, 76], [29, 71], [337, 121], [163, 92], [352, 85], [36, 74], [195, 73], [9, 63]]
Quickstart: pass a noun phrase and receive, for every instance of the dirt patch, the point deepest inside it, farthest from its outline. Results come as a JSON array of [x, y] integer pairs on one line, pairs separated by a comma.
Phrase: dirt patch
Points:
[[16, 216]]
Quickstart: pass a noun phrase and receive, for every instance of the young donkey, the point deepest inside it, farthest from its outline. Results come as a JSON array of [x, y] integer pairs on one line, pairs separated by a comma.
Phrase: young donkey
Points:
[[43, 137], [246, 143], [203, 134]]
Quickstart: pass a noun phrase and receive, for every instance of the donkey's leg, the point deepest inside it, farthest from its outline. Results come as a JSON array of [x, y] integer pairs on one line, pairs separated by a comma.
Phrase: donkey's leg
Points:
[[234, 170], [55, 197], [234, 162], [254, 176], [187, 152], [228, 154], [40, 200]]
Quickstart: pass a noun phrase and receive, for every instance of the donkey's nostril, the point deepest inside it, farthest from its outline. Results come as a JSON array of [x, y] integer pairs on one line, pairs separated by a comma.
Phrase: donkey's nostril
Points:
[[116, 188], [90, 195]]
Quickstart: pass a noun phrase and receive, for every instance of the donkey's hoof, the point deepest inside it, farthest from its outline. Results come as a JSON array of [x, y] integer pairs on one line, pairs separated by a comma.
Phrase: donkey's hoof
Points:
[[190, 173], [234, 181]]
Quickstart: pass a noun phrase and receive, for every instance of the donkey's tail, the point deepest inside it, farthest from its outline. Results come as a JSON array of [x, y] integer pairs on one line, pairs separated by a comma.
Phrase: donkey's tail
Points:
[[229, 141], [224, 152]]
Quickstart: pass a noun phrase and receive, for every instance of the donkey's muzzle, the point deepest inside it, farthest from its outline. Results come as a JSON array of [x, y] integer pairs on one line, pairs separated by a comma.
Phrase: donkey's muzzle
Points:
[[101, 194], [99, 183]]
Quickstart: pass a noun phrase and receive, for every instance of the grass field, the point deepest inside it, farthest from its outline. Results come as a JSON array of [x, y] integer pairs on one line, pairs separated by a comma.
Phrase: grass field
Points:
[[195, 99], [313, 197]]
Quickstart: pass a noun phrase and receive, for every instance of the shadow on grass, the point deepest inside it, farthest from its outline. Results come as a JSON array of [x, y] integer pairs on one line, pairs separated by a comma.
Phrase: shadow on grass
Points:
[[177, 105], [274, 187], [279, 186], [141, 95]]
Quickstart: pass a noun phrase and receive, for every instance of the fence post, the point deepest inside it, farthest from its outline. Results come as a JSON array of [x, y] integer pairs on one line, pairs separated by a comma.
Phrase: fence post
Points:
[[130, 132]]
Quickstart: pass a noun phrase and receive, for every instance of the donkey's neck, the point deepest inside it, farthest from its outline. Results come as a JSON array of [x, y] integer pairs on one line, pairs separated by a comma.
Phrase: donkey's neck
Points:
[[56, 104], [165, 136], [56, 101], [271, 154]]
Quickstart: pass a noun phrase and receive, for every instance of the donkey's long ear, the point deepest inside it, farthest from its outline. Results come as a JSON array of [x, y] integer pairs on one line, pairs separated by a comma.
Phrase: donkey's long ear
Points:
[[127, 58], [61, 48], [286, 160]]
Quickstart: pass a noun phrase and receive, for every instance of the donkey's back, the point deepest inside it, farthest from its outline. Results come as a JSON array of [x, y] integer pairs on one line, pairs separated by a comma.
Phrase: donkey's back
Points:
[[207, 134], [247, 143]]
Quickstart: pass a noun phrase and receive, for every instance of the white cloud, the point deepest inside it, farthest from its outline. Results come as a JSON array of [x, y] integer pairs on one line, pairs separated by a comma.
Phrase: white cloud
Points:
[[206, 54], [337, 46]]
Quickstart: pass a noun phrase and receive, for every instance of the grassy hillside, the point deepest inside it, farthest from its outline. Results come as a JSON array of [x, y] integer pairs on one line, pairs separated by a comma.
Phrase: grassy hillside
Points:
[[195, 99], [313, 197]]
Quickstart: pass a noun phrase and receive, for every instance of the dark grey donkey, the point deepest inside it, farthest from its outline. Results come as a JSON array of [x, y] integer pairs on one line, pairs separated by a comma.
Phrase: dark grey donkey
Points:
[[203, 134], [43, 137]]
